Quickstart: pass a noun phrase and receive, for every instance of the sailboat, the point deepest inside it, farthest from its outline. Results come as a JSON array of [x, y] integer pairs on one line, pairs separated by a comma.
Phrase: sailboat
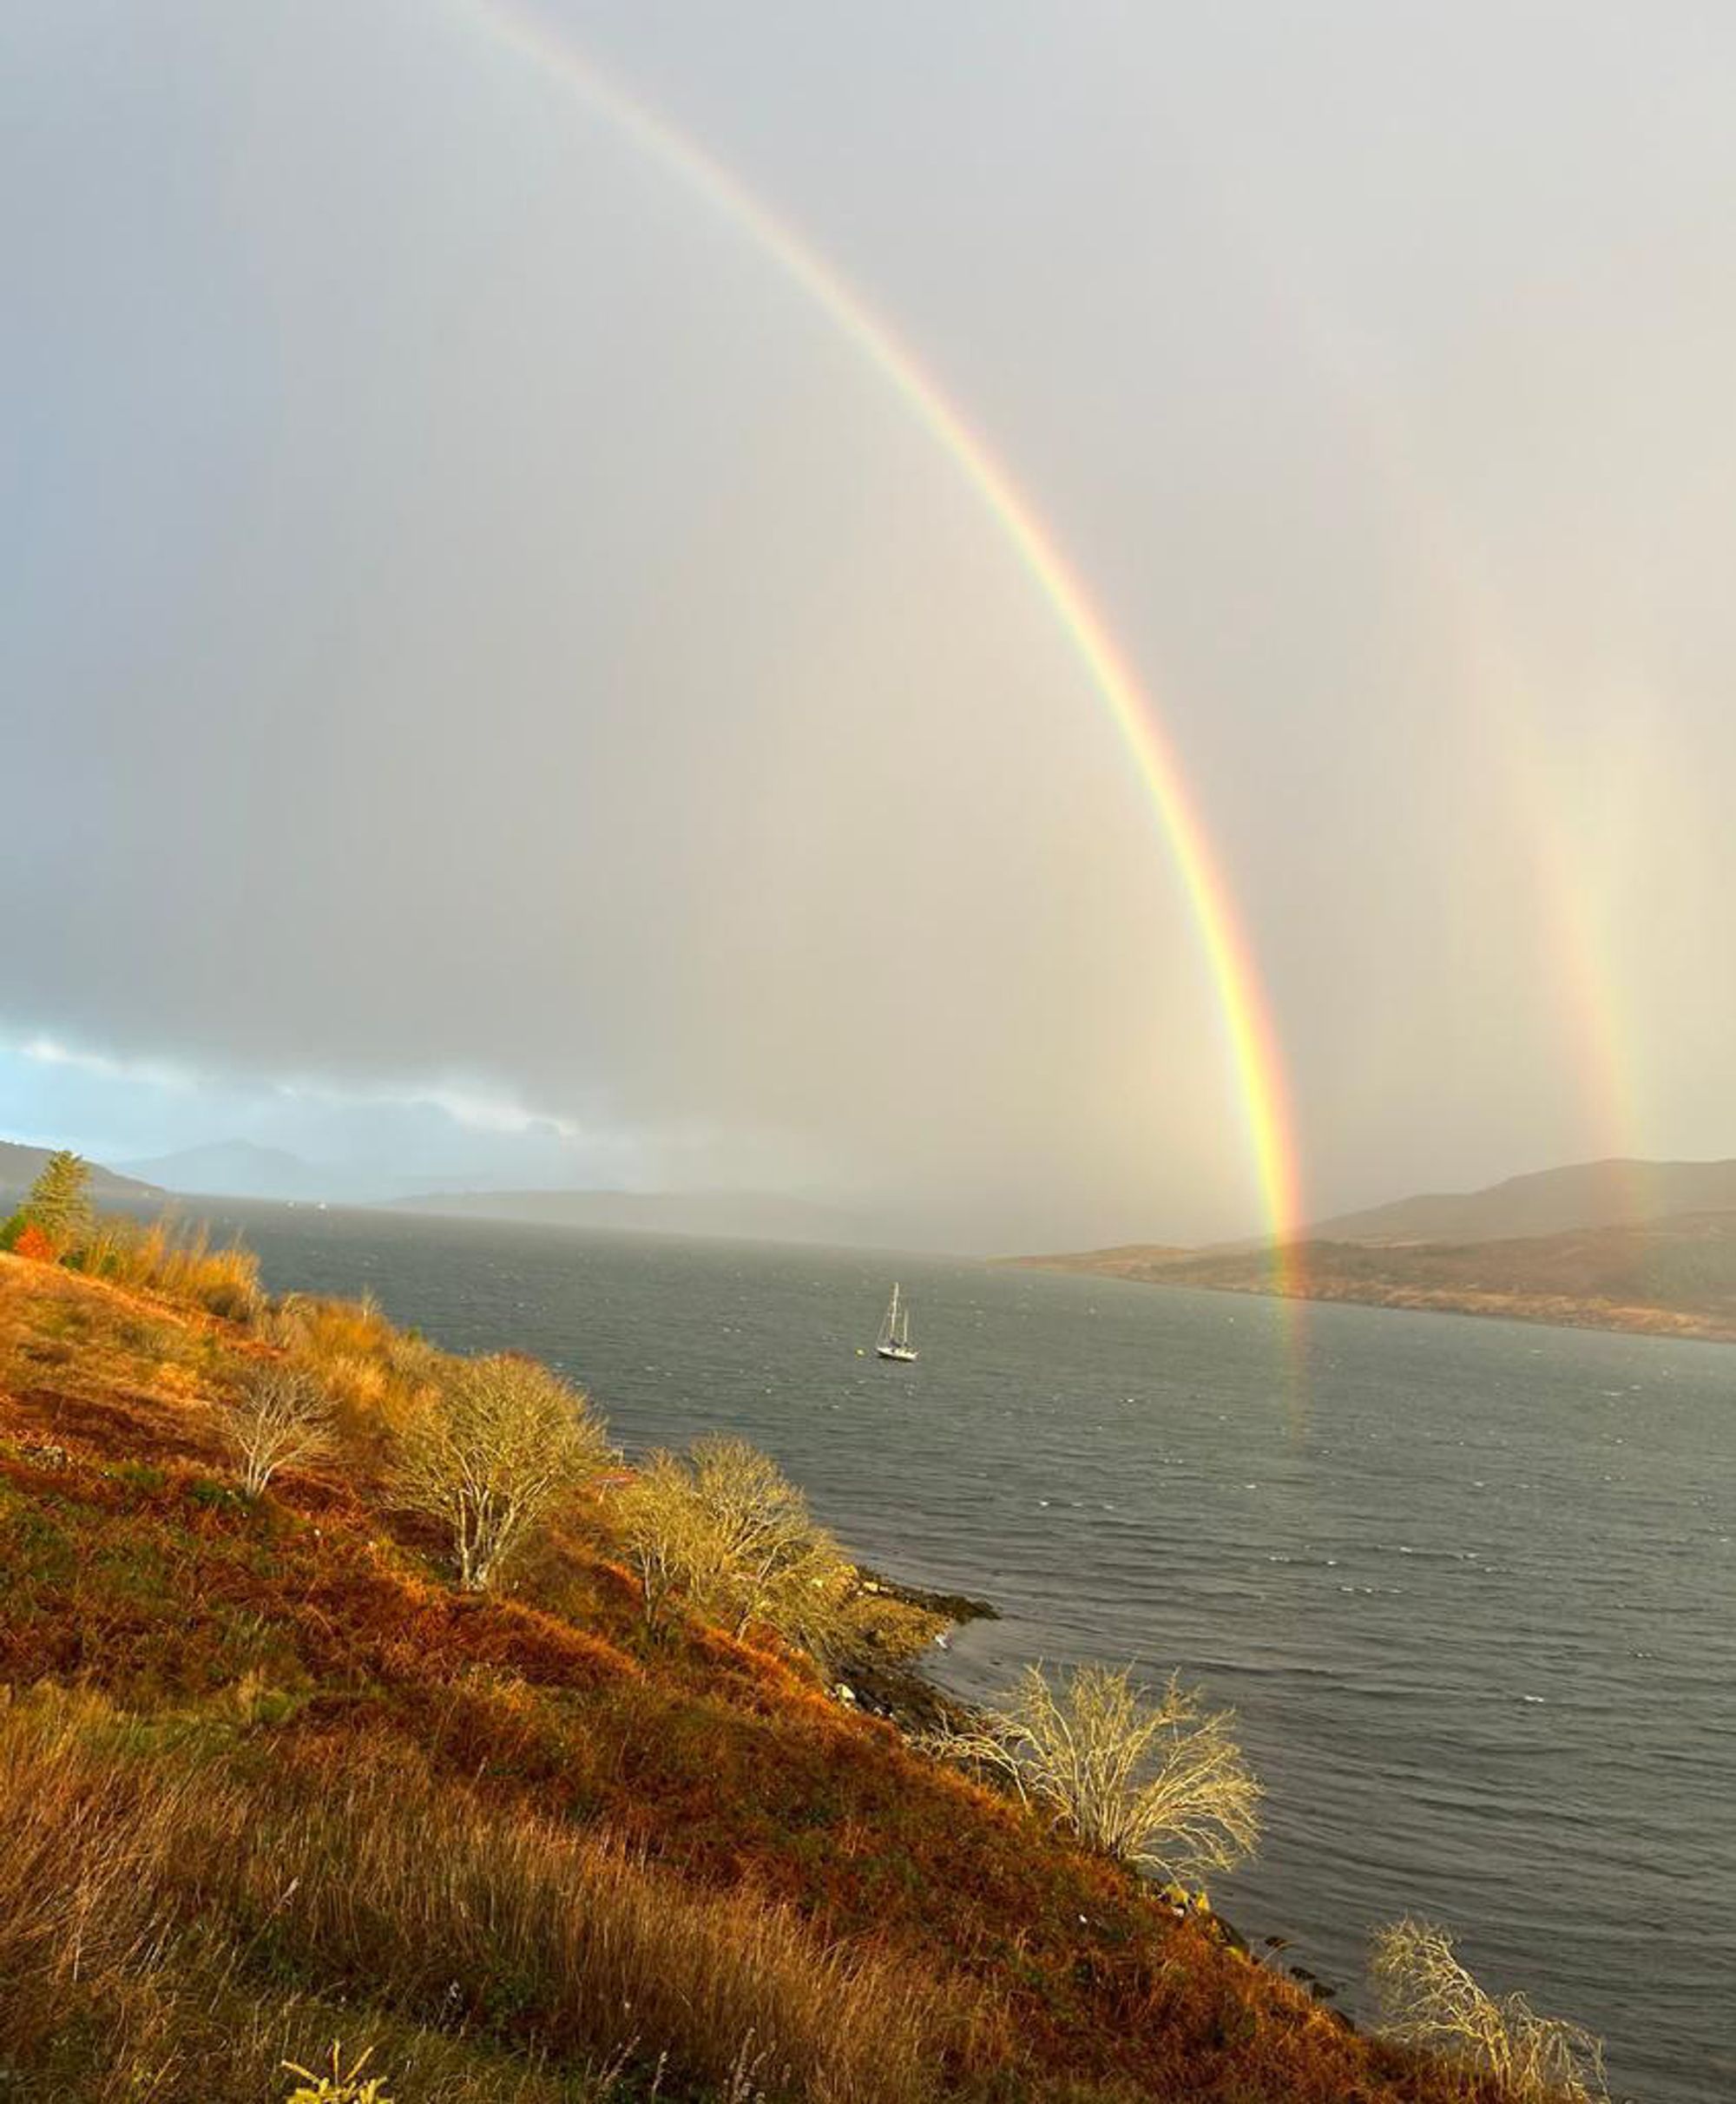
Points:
[[895, 1331]]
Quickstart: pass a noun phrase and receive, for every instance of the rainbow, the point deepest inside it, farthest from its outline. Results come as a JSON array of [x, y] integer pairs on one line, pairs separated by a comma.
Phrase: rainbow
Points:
[[1498, 696], [1246, 1019], [1575, 951]]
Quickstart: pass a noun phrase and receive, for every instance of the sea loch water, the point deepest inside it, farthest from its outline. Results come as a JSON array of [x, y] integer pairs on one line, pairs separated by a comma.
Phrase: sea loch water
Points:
[[1470, 1585]]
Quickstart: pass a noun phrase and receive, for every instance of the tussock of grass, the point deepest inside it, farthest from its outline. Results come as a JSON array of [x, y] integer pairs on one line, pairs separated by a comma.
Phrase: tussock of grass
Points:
[[379, 1380], [175, 1261]]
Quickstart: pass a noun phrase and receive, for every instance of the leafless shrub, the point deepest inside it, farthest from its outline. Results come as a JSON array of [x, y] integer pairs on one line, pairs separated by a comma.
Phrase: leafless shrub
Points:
[[658, 1516], [1151, 1778], [490, 1451], [1431, 2000], [282, 1420], [725, 1526]]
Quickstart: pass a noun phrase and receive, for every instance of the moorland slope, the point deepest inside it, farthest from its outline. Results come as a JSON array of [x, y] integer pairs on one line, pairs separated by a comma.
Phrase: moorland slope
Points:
[[270, 1779]]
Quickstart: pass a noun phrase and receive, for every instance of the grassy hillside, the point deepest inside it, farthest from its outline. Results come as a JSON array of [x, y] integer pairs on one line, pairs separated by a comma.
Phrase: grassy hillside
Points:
[[1671, 1276], [270, 1780]]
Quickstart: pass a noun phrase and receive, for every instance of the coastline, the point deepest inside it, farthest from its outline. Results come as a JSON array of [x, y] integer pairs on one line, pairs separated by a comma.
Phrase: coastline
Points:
[[1515, 1307], [1558, 1311], [897, 1689]]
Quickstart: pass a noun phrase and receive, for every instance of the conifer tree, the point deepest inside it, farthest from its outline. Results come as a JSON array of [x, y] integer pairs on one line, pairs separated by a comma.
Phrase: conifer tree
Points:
[[59, 1203]]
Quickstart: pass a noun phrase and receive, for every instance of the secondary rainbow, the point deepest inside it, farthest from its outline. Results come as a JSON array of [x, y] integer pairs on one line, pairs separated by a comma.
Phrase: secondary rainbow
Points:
[[1496, 687], [1247, 1019]]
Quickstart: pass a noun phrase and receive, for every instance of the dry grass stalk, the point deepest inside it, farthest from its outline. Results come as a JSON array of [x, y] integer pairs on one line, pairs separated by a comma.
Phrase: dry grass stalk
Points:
[[176, 1261], [336, 2084]]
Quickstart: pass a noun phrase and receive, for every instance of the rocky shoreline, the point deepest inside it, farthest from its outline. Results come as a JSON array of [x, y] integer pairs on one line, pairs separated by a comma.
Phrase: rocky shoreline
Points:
[[899, 1689]]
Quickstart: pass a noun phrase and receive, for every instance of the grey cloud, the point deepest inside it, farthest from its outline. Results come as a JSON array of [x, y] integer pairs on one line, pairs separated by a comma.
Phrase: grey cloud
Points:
[[476, 619]]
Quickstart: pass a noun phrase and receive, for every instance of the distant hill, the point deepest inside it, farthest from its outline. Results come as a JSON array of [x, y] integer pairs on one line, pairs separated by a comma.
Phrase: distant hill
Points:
[[21, 1166], [1552, 1202], [1605, 1245], [1675, 1276], [236, 1168], [725, 1216], [1124, 1260]]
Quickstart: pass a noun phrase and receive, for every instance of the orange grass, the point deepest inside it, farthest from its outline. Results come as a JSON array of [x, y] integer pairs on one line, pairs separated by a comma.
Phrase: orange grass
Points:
[[412, 1898], [175, 1261]]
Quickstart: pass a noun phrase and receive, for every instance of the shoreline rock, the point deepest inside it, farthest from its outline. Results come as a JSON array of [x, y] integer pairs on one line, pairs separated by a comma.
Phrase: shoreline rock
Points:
[[896, 1689], [954, 1608]]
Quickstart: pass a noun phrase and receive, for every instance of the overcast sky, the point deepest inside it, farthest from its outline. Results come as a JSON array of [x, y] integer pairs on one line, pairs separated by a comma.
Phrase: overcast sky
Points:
[[492, 677]]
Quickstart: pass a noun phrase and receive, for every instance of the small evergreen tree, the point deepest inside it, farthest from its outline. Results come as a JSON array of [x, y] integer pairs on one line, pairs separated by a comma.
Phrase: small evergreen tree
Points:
[[59, 1201]]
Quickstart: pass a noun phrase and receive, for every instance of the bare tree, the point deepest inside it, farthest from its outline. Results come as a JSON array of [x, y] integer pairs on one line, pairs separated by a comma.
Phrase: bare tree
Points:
[[658, 1518], [282, 1420], [725, 1526], [490, 1451], [1429, 1999], [755, 1531], [1151, 1778]]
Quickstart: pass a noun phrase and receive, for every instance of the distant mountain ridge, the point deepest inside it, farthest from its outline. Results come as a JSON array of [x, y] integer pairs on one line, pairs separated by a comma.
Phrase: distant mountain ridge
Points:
[[1612, 1193], [20, 1167], [244, 1169], [1636, 1246], [724, 1215], [236, 1168]]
